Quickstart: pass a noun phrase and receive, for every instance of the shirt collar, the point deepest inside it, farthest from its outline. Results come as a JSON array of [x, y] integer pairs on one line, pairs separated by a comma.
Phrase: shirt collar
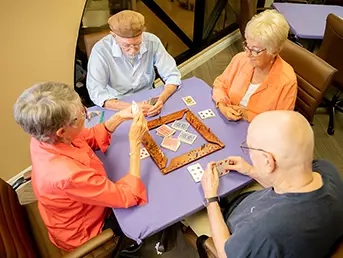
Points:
[[79, 152], [116, 50]]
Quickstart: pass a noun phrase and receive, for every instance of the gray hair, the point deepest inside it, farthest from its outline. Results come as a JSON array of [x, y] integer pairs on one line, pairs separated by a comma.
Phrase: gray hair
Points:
[[270, 29], [46, 107]]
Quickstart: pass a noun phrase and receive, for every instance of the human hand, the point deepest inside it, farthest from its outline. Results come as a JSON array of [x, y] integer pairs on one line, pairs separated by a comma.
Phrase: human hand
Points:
[[210, 181], [238, 164], [241, 110], [144, 107], [126, 113], [230, 112], [138, 128], [156, 109]]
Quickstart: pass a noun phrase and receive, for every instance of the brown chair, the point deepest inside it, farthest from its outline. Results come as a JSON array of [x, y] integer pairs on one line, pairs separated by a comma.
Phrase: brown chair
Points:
[[313, 75], [332, 52], [92, 38], [23, 233]]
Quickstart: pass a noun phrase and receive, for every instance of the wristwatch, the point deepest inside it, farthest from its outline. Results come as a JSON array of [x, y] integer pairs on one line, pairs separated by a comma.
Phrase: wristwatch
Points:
[[207, 201]]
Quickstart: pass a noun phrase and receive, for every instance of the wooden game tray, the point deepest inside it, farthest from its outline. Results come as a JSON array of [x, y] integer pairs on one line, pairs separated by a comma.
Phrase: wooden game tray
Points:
[[158, 156]]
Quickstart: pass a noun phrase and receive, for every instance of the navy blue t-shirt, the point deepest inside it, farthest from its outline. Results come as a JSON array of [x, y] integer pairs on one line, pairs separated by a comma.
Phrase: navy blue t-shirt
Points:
[[306, 225]]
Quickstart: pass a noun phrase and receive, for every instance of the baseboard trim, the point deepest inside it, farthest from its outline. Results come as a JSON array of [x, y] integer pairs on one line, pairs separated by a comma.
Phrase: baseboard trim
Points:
[[205, 55]]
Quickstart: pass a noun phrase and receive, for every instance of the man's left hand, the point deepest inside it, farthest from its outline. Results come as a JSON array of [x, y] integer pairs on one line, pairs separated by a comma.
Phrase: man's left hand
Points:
[[156, 109], [210, 181]]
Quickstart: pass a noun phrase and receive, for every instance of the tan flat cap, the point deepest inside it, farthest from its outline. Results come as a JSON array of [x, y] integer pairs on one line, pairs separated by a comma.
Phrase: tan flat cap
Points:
[[127, 24]]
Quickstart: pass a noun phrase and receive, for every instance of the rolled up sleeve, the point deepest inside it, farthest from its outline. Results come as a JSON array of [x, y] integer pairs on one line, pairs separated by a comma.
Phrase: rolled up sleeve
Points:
[[90, 187], [97, 79], [166, 65], [97, 137]]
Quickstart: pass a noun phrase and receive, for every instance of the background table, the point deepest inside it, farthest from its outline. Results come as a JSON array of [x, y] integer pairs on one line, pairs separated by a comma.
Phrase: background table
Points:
[[175, 195], [307, 21]]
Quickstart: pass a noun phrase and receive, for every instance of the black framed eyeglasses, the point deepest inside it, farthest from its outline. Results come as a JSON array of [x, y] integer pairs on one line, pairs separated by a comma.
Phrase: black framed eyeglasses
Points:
[[252, 51]]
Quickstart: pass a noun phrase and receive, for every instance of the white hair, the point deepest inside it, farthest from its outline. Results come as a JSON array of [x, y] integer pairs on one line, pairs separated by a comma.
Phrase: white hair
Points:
[[268, 28], [46, 107]]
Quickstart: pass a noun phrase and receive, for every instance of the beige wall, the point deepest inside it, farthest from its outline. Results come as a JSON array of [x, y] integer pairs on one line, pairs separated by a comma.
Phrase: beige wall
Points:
[[38, 39]]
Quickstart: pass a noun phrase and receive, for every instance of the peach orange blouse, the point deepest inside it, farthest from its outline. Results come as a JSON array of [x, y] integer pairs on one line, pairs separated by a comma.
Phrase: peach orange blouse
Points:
[[277, 92], [73, 190]]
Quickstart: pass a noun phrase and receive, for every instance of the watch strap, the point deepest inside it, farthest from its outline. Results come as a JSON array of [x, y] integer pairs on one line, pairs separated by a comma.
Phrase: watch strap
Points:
[[211, 199]]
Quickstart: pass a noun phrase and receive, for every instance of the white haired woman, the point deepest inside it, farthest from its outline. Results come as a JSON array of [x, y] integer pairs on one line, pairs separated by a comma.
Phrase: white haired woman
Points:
[[68, 179], [259, 79]]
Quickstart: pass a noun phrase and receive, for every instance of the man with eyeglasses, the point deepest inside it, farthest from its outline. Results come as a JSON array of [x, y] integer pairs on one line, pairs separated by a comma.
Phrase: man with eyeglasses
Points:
[[122, 64], [300, 211]]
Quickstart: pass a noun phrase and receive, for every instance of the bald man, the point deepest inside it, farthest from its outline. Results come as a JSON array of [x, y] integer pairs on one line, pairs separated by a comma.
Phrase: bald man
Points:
[[300, 211], [122, 64]]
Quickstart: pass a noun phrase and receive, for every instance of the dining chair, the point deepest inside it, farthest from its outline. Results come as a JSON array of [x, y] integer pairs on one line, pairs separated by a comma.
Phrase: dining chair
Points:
[[332, 52], [24, 233], [314, 76]]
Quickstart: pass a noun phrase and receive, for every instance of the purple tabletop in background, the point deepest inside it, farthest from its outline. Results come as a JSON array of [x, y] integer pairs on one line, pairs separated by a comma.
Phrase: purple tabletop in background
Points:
[[173, 196], [307, 21]]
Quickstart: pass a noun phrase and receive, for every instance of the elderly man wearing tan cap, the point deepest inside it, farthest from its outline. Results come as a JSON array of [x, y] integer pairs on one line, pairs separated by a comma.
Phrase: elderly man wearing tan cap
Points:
[[122, 64]]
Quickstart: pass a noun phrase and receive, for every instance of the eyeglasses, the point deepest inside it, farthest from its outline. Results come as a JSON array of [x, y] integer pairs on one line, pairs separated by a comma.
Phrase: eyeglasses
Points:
[[245, 149], [128, 46], [84, 115], [252, 51], [85, 112]]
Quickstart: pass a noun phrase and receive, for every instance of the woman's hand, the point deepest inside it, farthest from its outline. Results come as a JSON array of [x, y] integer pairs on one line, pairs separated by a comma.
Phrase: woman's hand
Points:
[[230, 112], [138, 128]]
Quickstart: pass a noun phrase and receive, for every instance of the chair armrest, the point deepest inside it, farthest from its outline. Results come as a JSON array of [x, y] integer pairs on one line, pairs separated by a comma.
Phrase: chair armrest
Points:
[[91, 244], [22, 180], [210, 248]]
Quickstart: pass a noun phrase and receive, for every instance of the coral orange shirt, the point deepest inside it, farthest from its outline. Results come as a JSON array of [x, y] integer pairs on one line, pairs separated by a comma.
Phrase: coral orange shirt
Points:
[[73, 190], [277, 92]]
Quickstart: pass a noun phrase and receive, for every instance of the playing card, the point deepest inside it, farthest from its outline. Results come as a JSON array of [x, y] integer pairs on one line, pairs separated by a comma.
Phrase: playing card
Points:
[[92, 114], [189, 101], [222, 167], [196, 172], [187, 137], [171, 143], [165, 130], [144, 153], [134, 108], [208, 113], [180, 125], [152, 101]]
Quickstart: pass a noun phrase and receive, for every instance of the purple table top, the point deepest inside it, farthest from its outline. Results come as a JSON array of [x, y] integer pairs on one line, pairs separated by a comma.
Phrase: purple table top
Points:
[[307, 21], [173, 196]]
